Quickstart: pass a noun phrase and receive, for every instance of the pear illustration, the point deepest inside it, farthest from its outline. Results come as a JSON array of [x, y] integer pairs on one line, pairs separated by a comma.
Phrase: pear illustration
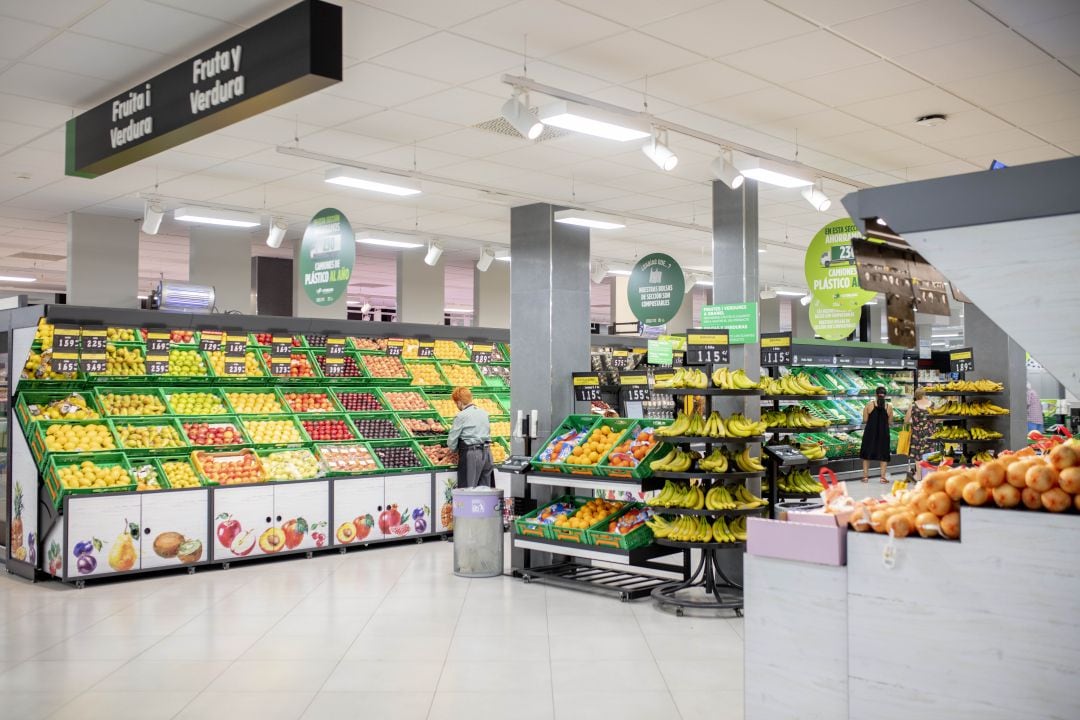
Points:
[[122, 556]]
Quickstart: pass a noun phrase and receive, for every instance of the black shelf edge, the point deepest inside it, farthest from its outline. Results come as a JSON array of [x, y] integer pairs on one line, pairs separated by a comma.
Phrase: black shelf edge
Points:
[[701, 440], [629, 482], [711, 545], [715, 513], [953, 393], [794, 430], [706, 391], [967, 417], [798, 495], [991, 441], [636, 555], [701, 475]]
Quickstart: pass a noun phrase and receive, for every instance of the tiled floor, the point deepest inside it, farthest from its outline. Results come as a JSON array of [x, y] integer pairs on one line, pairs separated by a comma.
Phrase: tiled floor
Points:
[[388, 632]]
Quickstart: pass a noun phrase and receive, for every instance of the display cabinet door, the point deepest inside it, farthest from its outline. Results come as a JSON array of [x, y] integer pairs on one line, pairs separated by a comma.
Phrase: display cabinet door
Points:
[[103, 534], [357, 504], [408, 506], [175, 528], [302, 512], [444, 501], [243, 524]]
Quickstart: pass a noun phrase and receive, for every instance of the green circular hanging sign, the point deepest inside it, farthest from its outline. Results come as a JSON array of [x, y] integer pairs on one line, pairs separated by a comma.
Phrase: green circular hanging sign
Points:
[[327, 256], [836, 298], [656, 288]]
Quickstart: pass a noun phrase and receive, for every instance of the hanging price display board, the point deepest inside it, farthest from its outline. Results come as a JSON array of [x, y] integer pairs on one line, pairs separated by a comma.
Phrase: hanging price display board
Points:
[[586, 386], [426, 349], [961, 360], [335, 356], [235, 347], [620, 359], [157, 351], [481, 353], [210, 340], [93, 358], [394, 346], [635, 386], [707, 347], [65, 348], [280, 355], [775, 349]]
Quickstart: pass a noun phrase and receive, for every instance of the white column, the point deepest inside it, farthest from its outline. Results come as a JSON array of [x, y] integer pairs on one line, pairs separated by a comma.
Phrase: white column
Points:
[[421, 290], [222, 258], [620, 303], [491, 296], [103, 261]]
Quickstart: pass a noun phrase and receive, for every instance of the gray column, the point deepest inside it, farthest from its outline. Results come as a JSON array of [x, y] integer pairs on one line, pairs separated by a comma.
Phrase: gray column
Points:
[[302, 306], [102, 261], [769, 315], [271, 285], [491, 296], [684, 318], [421, 290], [222, 258], [999, 357]]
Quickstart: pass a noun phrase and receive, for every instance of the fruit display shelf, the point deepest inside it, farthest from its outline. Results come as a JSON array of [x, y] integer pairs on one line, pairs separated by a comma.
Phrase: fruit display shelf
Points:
[[701, 475], [664, 542], [960, 393], [706, 391], [703, 440], [708, 513], [827, 428]]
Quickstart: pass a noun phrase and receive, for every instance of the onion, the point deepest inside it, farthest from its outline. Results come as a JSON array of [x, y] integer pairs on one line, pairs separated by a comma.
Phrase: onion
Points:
[[935, 481], [1006, 496], [991, 474], [918, 501], [901, 524], [1016, 473], [878, 518], [1031, 498], [1076, 501], [1007, 459], [975, 494], [954, 486], [1069, 480], [950, 525], [1055, 500], [939, 503], [1041, 477], [860, 519], [928, 524], [1064, 456]]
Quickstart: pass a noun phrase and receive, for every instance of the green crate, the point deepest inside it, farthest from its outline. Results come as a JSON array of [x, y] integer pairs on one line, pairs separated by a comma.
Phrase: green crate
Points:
[[381, 381], [26, 400], [386, 394], [402, 417], [579, 424], [138, 347], [220, 452], [120, 423], [216, 420], [509, 427], [253, 390], [447, 366], [137, 463], [354, 343], [641, 470], [264, 453], [489, 402], [366, 391], [322, 451], [56, 461], [170, 391], [424, 466], [316, 377], [526, 529], [461, 355], [412, 365], [356, 380], [319, 417], [335, 406], [503, 443], [424, 442], [101, 392], [638, 537], [259, 375], [247, 420], [38, 431], [392, 417], [493, 381]]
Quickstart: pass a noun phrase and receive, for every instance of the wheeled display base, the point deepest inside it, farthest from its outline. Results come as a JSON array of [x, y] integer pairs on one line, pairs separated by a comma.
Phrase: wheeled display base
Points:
[[707, 588]]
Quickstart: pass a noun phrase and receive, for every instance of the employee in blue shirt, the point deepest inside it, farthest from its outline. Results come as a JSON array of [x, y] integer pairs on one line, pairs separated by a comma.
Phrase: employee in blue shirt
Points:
[[470, 436]]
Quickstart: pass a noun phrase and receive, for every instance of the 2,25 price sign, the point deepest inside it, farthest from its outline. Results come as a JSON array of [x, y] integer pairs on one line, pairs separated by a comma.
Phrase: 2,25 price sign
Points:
[[775, 349], [707, 347], [961, 360]]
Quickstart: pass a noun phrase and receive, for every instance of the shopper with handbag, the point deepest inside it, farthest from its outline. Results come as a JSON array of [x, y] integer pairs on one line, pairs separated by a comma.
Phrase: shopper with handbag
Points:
[[875, 435], [921, 426], [470, 436]]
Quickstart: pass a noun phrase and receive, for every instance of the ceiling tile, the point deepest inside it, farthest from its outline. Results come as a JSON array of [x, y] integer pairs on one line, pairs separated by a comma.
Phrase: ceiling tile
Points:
[[761, 106], [802, 56], [339, 142], [457, 105], [551, 27], [98, 58], [459, 60], [54, 13], [1023, 156], [439, 13], [18, 37], [726, 27], [368, 31], [702, 82], [16, 133], [152, 27], [324, 110], [907, 107], [625, 56], [1065, 133], [397, 127], [241, 12], [635, 13], [1044, 108], [52, 85], [991, 143], [923, 25], [545, 72], [959, 125], [269, 130], [817, 125], [858, 84], [382, 86], [997, 52], [472, 143], [28, 111], [1059, 36], [1023, 83], [831, 12], [1020, 14]]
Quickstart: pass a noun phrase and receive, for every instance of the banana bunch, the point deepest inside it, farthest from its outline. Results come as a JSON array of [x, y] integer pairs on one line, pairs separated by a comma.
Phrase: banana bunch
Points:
[[800, 481], [951, 433], [675, 461], [727, 380], [793, 416], [984, 457], [698, 529], [745, 463], [715, 426], [715, 462], [978, 433], [679, 427], [686, 378], [736, 528], [739, 427], [966, 386], [720, 498], [955, 407], [792, 384], [679, 495], [812, 451]]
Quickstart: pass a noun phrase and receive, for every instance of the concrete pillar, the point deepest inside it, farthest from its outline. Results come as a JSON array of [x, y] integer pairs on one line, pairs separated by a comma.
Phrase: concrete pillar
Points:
[[420, 289], [685, 317], [271, 285], [222, 258], [769, 315], [102, 261], [800, 320], [999, 357], [302, 306], [491, 296]]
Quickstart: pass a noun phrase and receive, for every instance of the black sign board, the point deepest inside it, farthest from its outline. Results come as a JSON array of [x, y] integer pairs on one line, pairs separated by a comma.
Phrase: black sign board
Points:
[[335, 346], [157, 366], [809, 357], [634, 387], [281, 346], [235, 347], [785, 455], [707, 347], [426, 349], [961, 360], [157, 342], [775, 349], [620, 359], [394, 346], [294, 53], [210, 340], [586, 386], [93, 355], [66, 338], [481, 353]]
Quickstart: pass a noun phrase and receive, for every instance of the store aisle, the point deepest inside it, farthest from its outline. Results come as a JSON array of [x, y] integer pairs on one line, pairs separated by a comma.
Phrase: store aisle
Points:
[[388, 632]]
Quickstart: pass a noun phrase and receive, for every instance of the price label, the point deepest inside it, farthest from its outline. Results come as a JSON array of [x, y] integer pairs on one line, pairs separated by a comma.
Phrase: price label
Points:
[[157, 365], [620, 359], [335, 347], [707, 347], [586, 386], [93, 350], [281, 346], [635, 387], [235, 348], [65, 339], [426, 349], [210, 340], [235, 367], [394, 346], [775, 349], [280, 368], [962, 360], [157, 342], [481, 353], [334, 367]]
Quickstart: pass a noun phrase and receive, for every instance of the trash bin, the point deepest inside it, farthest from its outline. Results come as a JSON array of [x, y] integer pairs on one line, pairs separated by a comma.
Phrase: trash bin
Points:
[[478, 532]]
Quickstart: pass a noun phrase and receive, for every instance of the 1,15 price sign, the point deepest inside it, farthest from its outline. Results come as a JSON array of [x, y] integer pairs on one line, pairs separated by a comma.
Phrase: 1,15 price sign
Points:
[[586, 386], [707, 347], [961, 360], [635, 387], [775, 349]]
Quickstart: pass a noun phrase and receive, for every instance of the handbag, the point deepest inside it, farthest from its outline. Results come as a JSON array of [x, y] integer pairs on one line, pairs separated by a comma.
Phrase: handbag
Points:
[[903, 441]]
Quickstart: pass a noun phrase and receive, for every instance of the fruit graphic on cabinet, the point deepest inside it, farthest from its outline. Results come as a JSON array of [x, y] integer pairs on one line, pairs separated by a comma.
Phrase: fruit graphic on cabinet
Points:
[[346, 533], [407, 510], [357, 504], [444, 492], [302, 513], [103, 535], [122, 556], [18, 551], [174, 529], [272, 540], [241, 515], [363, 526]]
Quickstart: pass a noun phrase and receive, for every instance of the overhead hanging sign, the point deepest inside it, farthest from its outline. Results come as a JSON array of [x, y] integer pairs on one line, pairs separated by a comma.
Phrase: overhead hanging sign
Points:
[[656, 288], [327, 256], [292, 54], [836, 299], [708, 347], [961, 360], [739, 319]]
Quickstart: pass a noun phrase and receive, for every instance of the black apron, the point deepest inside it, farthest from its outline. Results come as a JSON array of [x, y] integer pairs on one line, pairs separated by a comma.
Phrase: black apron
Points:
[[474, 466]]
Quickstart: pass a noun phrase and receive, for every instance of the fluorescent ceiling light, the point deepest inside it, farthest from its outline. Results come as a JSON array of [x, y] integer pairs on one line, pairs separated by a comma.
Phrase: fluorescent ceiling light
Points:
[[950, 335], [817, 199], [517, 113], [707, 283], [805, 300], [392, 240], [773, 173], [592, 121], [661, 155], [725, 172], [767, 294], [213, 216], [872, 302], [503, 258], [584, 218], [458, 311], [16, 279], [620, 272], [790, 293], [375, 182]]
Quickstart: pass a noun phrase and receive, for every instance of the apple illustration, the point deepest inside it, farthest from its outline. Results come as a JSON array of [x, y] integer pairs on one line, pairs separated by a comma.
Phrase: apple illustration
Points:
[[243, 544], [363, 525], [294, 532], [227, 530]]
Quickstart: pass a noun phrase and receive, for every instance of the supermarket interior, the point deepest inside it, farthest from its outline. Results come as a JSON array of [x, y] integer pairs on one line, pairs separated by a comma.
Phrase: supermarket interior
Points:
[[539, 359]]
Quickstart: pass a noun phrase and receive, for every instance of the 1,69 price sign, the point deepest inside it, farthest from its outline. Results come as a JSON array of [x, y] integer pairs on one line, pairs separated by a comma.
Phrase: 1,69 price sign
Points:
[[707, 347], [961, 360], [775, 349]]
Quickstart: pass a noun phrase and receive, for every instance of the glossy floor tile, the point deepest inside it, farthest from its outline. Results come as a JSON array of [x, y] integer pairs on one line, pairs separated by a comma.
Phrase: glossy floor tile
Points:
[[386, 632]]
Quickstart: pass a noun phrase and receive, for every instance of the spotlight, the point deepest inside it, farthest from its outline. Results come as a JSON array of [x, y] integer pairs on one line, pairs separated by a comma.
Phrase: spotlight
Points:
[[365, 308], [599, 272], [805, 300], [434, 252], [152, 216], [486, 258], [726, 172], [816, 198], [660, 154], [516, 112], [278, 228]]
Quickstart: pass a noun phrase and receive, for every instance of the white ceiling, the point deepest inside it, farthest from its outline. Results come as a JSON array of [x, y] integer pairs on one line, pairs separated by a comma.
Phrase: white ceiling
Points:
[[848, 77]]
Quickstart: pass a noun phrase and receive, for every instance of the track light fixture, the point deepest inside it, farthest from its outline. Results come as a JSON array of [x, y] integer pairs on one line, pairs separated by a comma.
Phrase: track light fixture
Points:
[[516, 112], [365, 308], [278, 228], [805, 300], [153, 213], [725, 171], [434, 252], [659, 152], [816, 198], [599, 272], [487, 256]]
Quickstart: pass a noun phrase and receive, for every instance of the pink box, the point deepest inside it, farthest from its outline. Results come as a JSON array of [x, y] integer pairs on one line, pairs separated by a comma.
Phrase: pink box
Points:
[[815, 538]]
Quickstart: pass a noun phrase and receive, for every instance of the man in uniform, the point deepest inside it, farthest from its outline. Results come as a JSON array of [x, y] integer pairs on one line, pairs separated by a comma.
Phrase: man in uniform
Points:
[[470, 436]]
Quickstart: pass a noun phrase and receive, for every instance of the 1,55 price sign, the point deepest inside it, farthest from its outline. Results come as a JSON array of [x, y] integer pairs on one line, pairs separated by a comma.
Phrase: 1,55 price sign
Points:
[[775, 349], [707, 347]]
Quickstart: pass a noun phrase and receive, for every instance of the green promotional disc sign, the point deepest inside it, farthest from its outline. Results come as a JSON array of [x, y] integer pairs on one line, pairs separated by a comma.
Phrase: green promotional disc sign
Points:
[[655, 289], [836, 298], [327, 255]]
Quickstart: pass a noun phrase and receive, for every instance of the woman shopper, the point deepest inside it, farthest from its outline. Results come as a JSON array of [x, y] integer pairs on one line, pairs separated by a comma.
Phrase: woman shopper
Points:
[[470, 436], [875, 436], [922, 426]]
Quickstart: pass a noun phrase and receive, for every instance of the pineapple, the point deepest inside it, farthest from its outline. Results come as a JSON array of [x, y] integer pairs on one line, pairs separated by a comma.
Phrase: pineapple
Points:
[[446, 511], [16, 522]]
